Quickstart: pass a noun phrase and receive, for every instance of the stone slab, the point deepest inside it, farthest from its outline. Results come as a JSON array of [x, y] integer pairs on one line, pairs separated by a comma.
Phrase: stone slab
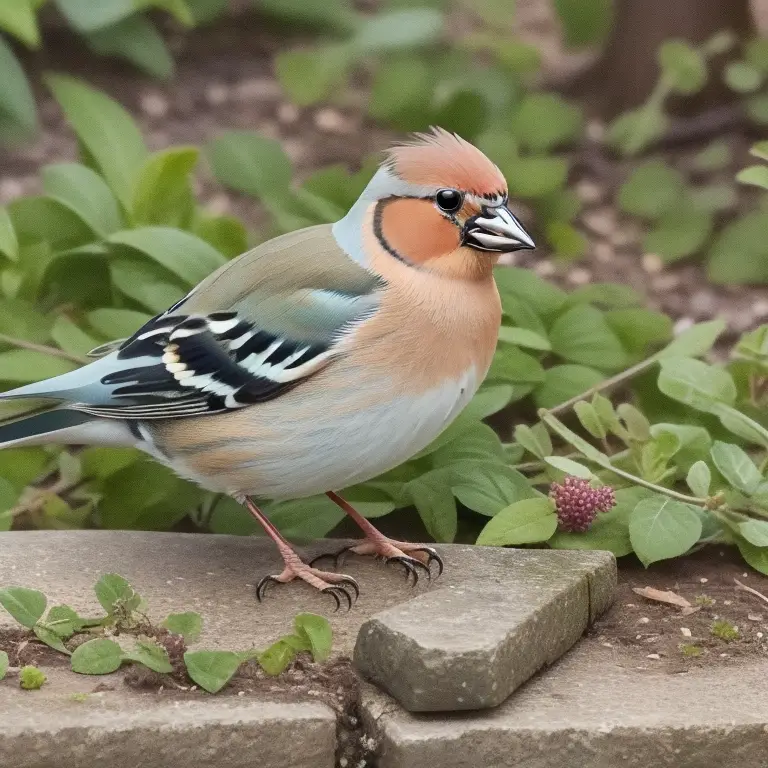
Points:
[[592, 710], [215, 575], [468, 647]]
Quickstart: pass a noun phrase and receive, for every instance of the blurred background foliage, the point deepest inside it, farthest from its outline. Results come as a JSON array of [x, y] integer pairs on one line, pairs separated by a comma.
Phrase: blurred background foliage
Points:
[[106, 242]]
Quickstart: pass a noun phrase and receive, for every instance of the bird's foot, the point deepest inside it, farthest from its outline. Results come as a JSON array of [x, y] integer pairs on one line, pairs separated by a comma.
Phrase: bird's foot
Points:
[[414, 558], [337, 585]]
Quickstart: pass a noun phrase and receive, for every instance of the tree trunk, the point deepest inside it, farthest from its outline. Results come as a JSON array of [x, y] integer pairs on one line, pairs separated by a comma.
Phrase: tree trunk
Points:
[[628, 70]]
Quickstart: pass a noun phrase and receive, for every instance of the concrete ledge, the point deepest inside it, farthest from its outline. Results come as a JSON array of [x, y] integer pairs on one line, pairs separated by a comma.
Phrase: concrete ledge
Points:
[[589, 711], [208, 734]]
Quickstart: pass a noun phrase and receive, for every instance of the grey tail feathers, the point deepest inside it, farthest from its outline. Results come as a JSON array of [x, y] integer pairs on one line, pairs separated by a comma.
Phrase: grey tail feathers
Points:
[[41, 427]]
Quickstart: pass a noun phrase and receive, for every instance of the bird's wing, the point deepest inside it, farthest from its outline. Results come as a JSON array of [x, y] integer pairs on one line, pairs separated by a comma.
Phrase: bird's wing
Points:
[[255, 328]]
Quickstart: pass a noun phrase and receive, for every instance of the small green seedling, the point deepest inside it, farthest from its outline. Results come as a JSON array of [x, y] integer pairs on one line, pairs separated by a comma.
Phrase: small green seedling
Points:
[[724, 630], [31, 678]]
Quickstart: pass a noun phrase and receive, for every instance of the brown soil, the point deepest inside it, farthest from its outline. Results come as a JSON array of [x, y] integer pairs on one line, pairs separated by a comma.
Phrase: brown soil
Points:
[[649, 634]]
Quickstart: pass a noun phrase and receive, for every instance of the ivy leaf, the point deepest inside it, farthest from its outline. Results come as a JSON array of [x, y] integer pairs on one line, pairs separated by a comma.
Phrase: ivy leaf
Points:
[[189, 625], [97, 657], [211, 670], [151, 655], [106, 130], [699, 479], [583, 336], [661, 528], [25, 605], [736, 467], [524, 522], [317, 630]]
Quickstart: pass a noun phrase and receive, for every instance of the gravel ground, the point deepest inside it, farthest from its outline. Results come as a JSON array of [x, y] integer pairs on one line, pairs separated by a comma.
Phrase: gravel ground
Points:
[[225, 81]]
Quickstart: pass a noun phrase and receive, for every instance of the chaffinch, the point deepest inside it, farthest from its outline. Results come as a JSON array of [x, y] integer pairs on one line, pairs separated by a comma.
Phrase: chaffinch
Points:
[[317, 360]]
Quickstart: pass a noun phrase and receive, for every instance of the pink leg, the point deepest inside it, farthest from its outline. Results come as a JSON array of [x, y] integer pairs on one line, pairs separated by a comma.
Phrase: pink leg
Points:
[[410, 556], [334, 584]]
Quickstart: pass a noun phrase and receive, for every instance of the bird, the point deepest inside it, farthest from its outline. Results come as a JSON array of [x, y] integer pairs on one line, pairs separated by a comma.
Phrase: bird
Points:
[[316, 360]]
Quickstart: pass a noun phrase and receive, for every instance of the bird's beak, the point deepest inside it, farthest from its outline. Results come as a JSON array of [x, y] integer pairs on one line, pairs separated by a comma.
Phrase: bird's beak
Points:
[[496, 229]]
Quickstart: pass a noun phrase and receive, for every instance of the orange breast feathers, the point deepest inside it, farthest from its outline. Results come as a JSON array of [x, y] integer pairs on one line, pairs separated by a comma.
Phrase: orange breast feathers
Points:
[[431, 326]]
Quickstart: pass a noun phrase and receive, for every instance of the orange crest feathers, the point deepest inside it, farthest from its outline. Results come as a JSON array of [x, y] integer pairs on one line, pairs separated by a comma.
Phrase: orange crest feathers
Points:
[[443, 159]]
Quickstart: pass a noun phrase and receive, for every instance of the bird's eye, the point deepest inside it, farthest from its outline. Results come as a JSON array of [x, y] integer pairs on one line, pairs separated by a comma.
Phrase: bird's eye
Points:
[[449, 200]]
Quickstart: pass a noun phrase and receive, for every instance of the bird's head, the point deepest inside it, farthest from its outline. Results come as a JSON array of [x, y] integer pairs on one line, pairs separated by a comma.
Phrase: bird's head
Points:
[[436, 203]]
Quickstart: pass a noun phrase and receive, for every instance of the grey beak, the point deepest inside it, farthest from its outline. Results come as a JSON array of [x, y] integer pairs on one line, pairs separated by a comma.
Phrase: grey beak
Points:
[[498, 230]]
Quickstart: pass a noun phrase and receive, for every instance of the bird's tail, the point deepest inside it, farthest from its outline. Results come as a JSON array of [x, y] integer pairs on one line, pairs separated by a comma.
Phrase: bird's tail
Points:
[[41, 423]]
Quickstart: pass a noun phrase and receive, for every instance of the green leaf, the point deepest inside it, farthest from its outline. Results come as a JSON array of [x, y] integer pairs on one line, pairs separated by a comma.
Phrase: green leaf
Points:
[[488, 487], [633, 131], [63, 621], [639, 329], [163, 194], [46, 635], [755, 532], [335, 15], [432, 496], [187, 256], [25, 605], [477, 443], [318, 632], [86, 16], [589, 419], [250, 163], [582, 335], [18, 19], [760, 149], [113, 591], [97, 657], [524, 522], [534, 439], [536, 175], [211, 670], [736, 467], [188, 624], [757, 109], [85, 193], [683, 66], [562, 382], [151, 655], [523, 337], [400, 90], [699, 479], [757, 557], [9, 243], [694, 341], [607, 295], [135, 39], [716, 156], [585, 22], [755, 175], [277, 657], [106, 130], [526, 285], [369, 502], [31, 678], [681, 231], [3, 664], [510, 364], [18, 116], [570, 467], [742, 77], [397, 30], [117, 323], [695, 383], [70, 338], [312, 75], [740, 253], [25, 365], [661, 528], [545, 120], [225, 233], [651, 190], [309, 518]]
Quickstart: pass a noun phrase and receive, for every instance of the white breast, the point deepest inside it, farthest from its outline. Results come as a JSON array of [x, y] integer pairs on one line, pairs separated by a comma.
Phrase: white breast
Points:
[[342, 447]]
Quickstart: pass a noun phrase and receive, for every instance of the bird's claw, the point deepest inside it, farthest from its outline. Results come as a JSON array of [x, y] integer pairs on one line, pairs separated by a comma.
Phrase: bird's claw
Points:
[[411, 566], [432, 557], [341, 588]]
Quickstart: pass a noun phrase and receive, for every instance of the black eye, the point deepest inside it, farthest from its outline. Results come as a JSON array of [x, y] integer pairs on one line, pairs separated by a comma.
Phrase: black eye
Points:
[[449, 200]]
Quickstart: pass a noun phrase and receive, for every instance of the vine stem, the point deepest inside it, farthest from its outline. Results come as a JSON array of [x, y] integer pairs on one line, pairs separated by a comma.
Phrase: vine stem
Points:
[[619, 378], [46, 350]]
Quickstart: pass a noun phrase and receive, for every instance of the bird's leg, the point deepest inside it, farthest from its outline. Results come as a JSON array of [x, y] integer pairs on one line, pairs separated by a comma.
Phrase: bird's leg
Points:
[[413, 557], [334, 584]]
